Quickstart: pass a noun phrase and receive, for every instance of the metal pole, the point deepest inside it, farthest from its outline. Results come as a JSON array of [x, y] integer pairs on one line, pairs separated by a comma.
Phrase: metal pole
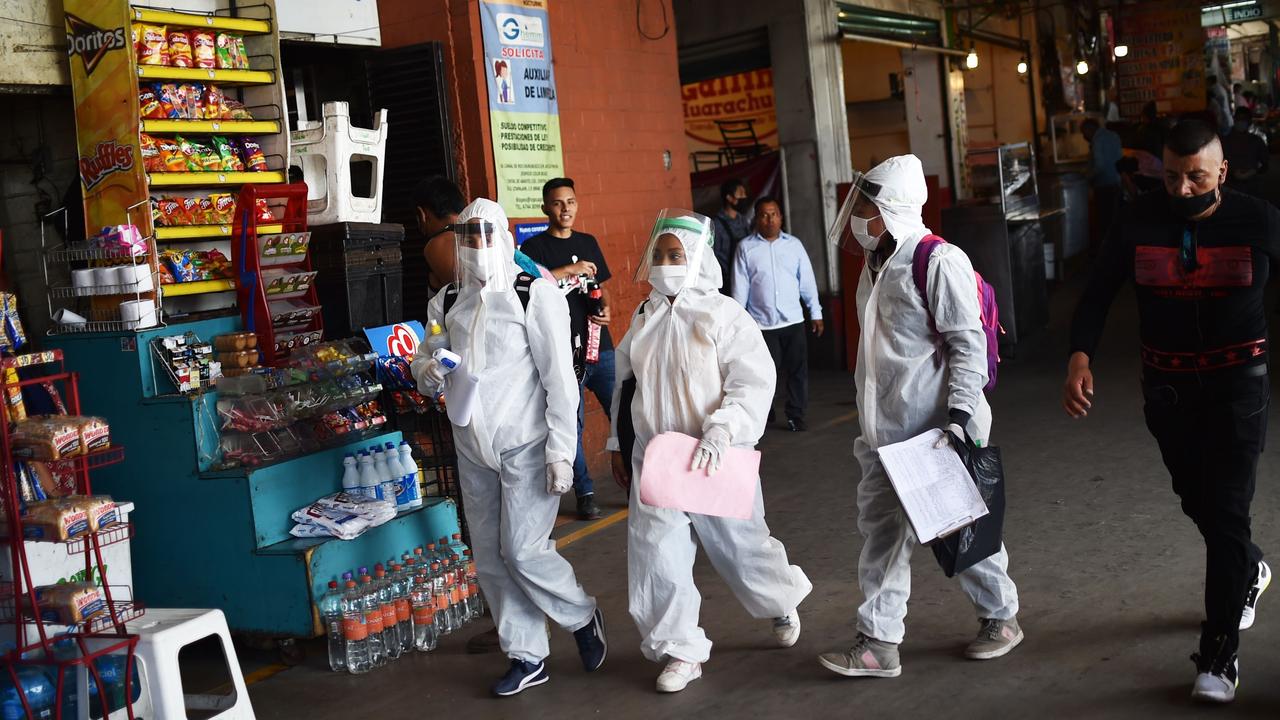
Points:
[[899, 44]]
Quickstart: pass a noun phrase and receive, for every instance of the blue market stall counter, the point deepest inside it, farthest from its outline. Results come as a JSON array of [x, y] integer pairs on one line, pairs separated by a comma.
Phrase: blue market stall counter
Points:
[[220, 538]]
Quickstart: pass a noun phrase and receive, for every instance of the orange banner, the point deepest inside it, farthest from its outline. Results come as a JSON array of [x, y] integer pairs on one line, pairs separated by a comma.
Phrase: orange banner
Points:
[[744, 96], [100, 53]]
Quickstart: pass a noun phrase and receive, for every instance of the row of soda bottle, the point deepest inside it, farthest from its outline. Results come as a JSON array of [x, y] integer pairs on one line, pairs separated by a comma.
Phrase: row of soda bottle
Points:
[[403, 606], [384, 473]]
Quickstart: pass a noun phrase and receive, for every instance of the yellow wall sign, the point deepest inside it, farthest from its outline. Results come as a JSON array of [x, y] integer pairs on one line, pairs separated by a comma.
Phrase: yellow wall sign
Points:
[[100, 53], [743, 96]]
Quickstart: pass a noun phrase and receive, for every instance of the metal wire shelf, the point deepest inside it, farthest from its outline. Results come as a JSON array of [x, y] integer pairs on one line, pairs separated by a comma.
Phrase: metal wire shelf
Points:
[[85, 252]]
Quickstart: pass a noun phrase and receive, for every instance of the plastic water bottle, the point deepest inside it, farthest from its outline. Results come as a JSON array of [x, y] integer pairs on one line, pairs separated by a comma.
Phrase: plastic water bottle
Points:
[[410, 468], [400, 583], [437, 338], [390, 621], [397, 474], [386, 477], [444, 615], [355, 631], [473, 584], [350, 475], [331, 611], [40, 691], [373, 619], [464, 592], [425, 632], [369, 481]]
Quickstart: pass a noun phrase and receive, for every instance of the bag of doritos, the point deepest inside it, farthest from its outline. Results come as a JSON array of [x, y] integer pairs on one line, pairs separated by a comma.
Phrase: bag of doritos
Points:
[[231, 161], [251, 152]]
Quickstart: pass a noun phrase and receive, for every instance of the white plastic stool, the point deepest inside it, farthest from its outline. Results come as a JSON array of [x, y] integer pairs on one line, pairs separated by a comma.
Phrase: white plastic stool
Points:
[[162, 635], [325, 151]]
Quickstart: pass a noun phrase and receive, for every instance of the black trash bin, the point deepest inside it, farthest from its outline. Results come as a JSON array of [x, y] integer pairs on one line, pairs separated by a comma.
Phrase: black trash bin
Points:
[[360, 280]]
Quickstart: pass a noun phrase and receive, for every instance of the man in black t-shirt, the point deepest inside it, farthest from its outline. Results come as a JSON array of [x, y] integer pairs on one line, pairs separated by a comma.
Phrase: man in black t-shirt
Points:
[[1199, 256], [570, 254]]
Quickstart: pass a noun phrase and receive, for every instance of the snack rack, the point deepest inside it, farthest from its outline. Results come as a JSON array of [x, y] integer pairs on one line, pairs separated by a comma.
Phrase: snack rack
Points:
[[106, 80], [82, 645], [100, 301], [266, 283]]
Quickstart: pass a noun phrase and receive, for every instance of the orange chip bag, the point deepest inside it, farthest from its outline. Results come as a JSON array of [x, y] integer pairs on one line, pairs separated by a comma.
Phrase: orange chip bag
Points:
[[207, 214], [172, 212], [180, 49], [171, 155], [191, 208], [204, 49], [149, 105], [153, 46], [224, 208]]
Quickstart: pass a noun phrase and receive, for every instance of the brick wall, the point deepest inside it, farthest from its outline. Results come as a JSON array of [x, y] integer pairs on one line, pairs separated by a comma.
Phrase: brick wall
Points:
[[620, 110]]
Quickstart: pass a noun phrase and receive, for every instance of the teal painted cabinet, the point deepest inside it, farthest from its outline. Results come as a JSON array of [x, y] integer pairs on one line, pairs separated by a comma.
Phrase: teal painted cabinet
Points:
[[220, 539]]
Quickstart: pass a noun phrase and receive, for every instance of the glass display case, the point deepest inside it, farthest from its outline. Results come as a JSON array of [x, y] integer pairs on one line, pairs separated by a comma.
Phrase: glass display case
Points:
[[1006, 175]]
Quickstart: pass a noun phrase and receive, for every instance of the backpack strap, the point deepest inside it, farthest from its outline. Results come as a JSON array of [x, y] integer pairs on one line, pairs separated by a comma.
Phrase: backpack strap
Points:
[[920, 269], [523, 285], [450, 297]]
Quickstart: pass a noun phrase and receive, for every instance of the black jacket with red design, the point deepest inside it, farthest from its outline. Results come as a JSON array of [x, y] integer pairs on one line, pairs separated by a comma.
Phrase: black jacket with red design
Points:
[[1200, 285]]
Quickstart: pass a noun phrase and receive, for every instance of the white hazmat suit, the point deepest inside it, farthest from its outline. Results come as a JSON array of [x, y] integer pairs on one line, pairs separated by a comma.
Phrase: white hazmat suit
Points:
[[700, 364], [525, 418], [908, 378]]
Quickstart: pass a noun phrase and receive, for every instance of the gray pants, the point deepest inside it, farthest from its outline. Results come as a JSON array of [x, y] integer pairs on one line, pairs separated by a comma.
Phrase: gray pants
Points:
[[524, 579]]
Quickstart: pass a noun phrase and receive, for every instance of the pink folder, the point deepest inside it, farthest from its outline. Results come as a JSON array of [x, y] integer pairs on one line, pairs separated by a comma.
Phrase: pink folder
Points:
[[668, 481]]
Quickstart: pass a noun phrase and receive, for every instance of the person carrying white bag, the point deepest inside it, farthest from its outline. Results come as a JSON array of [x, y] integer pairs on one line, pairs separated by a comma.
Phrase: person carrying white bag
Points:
[[701, 368]]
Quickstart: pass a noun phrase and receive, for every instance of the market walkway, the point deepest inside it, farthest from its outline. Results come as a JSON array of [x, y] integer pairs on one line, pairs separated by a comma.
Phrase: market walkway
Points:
[[1109, 570]]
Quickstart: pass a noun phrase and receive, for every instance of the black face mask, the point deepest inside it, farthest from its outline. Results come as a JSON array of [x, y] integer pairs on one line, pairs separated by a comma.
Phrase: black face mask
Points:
[[1189, 207], [742, 206]]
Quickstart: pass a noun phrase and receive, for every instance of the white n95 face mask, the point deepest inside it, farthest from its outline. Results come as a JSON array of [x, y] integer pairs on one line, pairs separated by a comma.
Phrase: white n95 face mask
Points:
[[476, 262], [668, 279], [865, 239]]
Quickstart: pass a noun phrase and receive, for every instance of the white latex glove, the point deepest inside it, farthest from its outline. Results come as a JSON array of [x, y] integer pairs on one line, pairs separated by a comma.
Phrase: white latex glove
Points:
[[559, 477], [947, 432], [429, 373], [711, 450]]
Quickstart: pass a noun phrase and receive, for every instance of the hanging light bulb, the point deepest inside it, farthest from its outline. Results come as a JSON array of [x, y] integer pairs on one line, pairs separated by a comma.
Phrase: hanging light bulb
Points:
[[1022, 65], [971, 60], [1082, 67], [1122, 50]]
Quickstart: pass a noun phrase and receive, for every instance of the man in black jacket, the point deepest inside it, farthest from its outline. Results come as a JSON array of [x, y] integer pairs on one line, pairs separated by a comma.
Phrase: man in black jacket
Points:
[[1199, 256]]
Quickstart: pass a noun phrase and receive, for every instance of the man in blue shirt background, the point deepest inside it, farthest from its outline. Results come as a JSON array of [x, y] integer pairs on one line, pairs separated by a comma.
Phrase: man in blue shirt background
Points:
[[1105, 151], [772, 275]]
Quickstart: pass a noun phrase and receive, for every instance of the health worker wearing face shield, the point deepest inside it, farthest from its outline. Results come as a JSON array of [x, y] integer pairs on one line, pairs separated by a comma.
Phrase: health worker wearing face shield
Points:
[[1199, 256], [516, 441], [920, 366], [701, 368]]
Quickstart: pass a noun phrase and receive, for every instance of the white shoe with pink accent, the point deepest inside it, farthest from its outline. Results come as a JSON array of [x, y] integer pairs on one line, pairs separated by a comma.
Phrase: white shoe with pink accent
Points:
[[677, 675], [995, 639], [867, 658]]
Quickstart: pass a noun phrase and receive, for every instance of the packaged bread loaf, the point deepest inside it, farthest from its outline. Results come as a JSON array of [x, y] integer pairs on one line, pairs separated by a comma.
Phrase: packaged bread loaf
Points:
[[95, 434], [53, 520], [100, 510], [48, 437], [69, 603]]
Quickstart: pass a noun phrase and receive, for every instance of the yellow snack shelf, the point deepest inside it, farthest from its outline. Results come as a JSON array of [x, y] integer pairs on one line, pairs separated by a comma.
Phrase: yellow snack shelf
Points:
[[242, 26], [206, 179], [223, 77], [197, 288], [207, 232], [212, 127]]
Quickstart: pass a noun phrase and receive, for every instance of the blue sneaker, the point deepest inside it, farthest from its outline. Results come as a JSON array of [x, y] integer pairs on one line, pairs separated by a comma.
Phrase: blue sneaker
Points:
[[592, 645], [521, 675]]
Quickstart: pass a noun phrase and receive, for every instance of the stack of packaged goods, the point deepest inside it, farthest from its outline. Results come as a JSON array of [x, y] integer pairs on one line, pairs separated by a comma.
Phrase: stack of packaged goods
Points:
[[179, 47], [403, 606], [219, 155]]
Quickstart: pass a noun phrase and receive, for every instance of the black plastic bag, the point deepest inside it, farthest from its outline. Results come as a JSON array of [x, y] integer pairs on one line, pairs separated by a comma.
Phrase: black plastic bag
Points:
[[963, 549], [626, 433]]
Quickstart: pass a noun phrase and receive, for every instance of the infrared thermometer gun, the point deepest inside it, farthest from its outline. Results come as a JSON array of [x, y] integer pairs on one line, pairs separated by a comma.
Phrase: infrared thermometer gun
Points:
[[450, 360]]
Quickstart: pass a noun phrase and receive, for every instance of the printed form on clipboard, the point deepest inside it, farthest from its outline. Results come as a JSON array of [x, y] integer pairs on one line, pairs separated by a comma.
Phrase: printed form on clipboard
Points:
[[933, 486]]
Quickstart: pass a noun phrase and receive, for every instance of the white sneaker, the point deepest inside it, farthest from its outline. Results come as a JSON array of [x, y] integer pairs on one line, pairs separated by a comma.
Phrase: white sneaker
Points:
[[677, 675], [1260, 586], [786, 629], [1217, 684]]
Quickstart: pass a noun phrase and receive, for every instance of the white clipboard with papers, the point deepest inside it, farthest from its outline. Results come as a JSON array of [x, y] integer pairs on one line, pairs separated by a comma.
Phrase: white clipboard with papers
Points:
[[933, 486]]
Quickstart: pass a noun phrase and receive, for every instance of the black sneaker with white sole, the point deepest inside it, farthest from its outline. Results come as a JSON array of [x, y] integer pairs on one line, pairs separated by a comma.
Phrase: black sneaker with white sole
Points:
[[1216, 678], [521, 676], [1260, 585], [592, 645]]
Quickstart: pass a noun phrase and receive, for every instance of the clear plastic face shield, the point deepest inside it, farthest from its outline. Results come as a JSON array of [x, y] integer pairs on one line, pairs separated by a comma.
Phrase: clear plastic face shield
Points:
[[480, 256], [852, 231], [672, 259]]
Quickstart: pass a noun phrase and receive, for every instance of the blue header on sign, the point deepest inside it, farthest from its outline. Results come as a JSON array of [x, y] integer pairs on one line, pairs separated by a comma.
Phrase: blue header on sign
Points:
[[524, 231], [400, 339]]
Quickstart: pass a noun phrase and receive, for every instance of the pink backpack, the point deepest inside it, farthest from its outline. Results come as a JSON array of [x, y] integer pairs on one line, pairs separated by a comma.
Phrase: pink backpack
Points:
[[989, 313]]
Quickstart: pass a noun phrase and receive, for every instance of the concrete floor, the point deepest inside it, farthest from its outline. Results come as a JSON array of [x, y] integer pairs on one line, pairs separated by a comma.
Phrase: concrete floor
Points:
[[1109, 570]]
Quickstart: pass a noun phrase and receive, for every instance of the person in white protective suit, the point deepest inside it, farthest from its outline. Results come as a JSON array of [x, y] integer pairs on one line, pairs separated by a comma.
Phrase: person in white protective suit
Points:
[[912, 378], [701, 368], [516, 443]]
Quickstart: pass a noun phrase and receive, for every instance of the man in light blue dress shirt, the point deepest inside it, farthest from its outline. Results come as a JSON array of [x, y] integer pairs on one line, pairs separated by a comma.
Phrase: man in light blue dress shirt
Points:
[[772, 276]]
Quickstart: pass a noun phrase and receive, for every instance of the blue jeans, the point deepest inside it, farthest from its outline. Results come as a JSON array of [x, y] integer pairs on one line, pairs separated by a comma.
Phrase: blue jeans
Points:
[[599, 380]]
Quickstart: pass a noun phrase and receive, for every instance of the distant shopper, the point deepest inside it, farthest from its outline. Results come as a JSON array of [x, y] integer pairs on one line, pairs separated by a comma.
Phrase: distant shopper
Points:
[[1108, 191], [1246, 154], [572, 254], [1219, 103], [731, 225], [772, 276], [438, 203]]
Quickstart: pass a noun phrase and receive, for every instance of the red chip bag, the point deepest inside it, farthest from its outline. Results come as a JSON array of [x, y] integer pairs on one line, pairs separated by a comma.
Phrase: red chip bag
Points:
[[191, 208], [264, 211], [204, 49], [180, 49], [153, 46], [207, 214], [150, 151], [172, 212], [214, 103]]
